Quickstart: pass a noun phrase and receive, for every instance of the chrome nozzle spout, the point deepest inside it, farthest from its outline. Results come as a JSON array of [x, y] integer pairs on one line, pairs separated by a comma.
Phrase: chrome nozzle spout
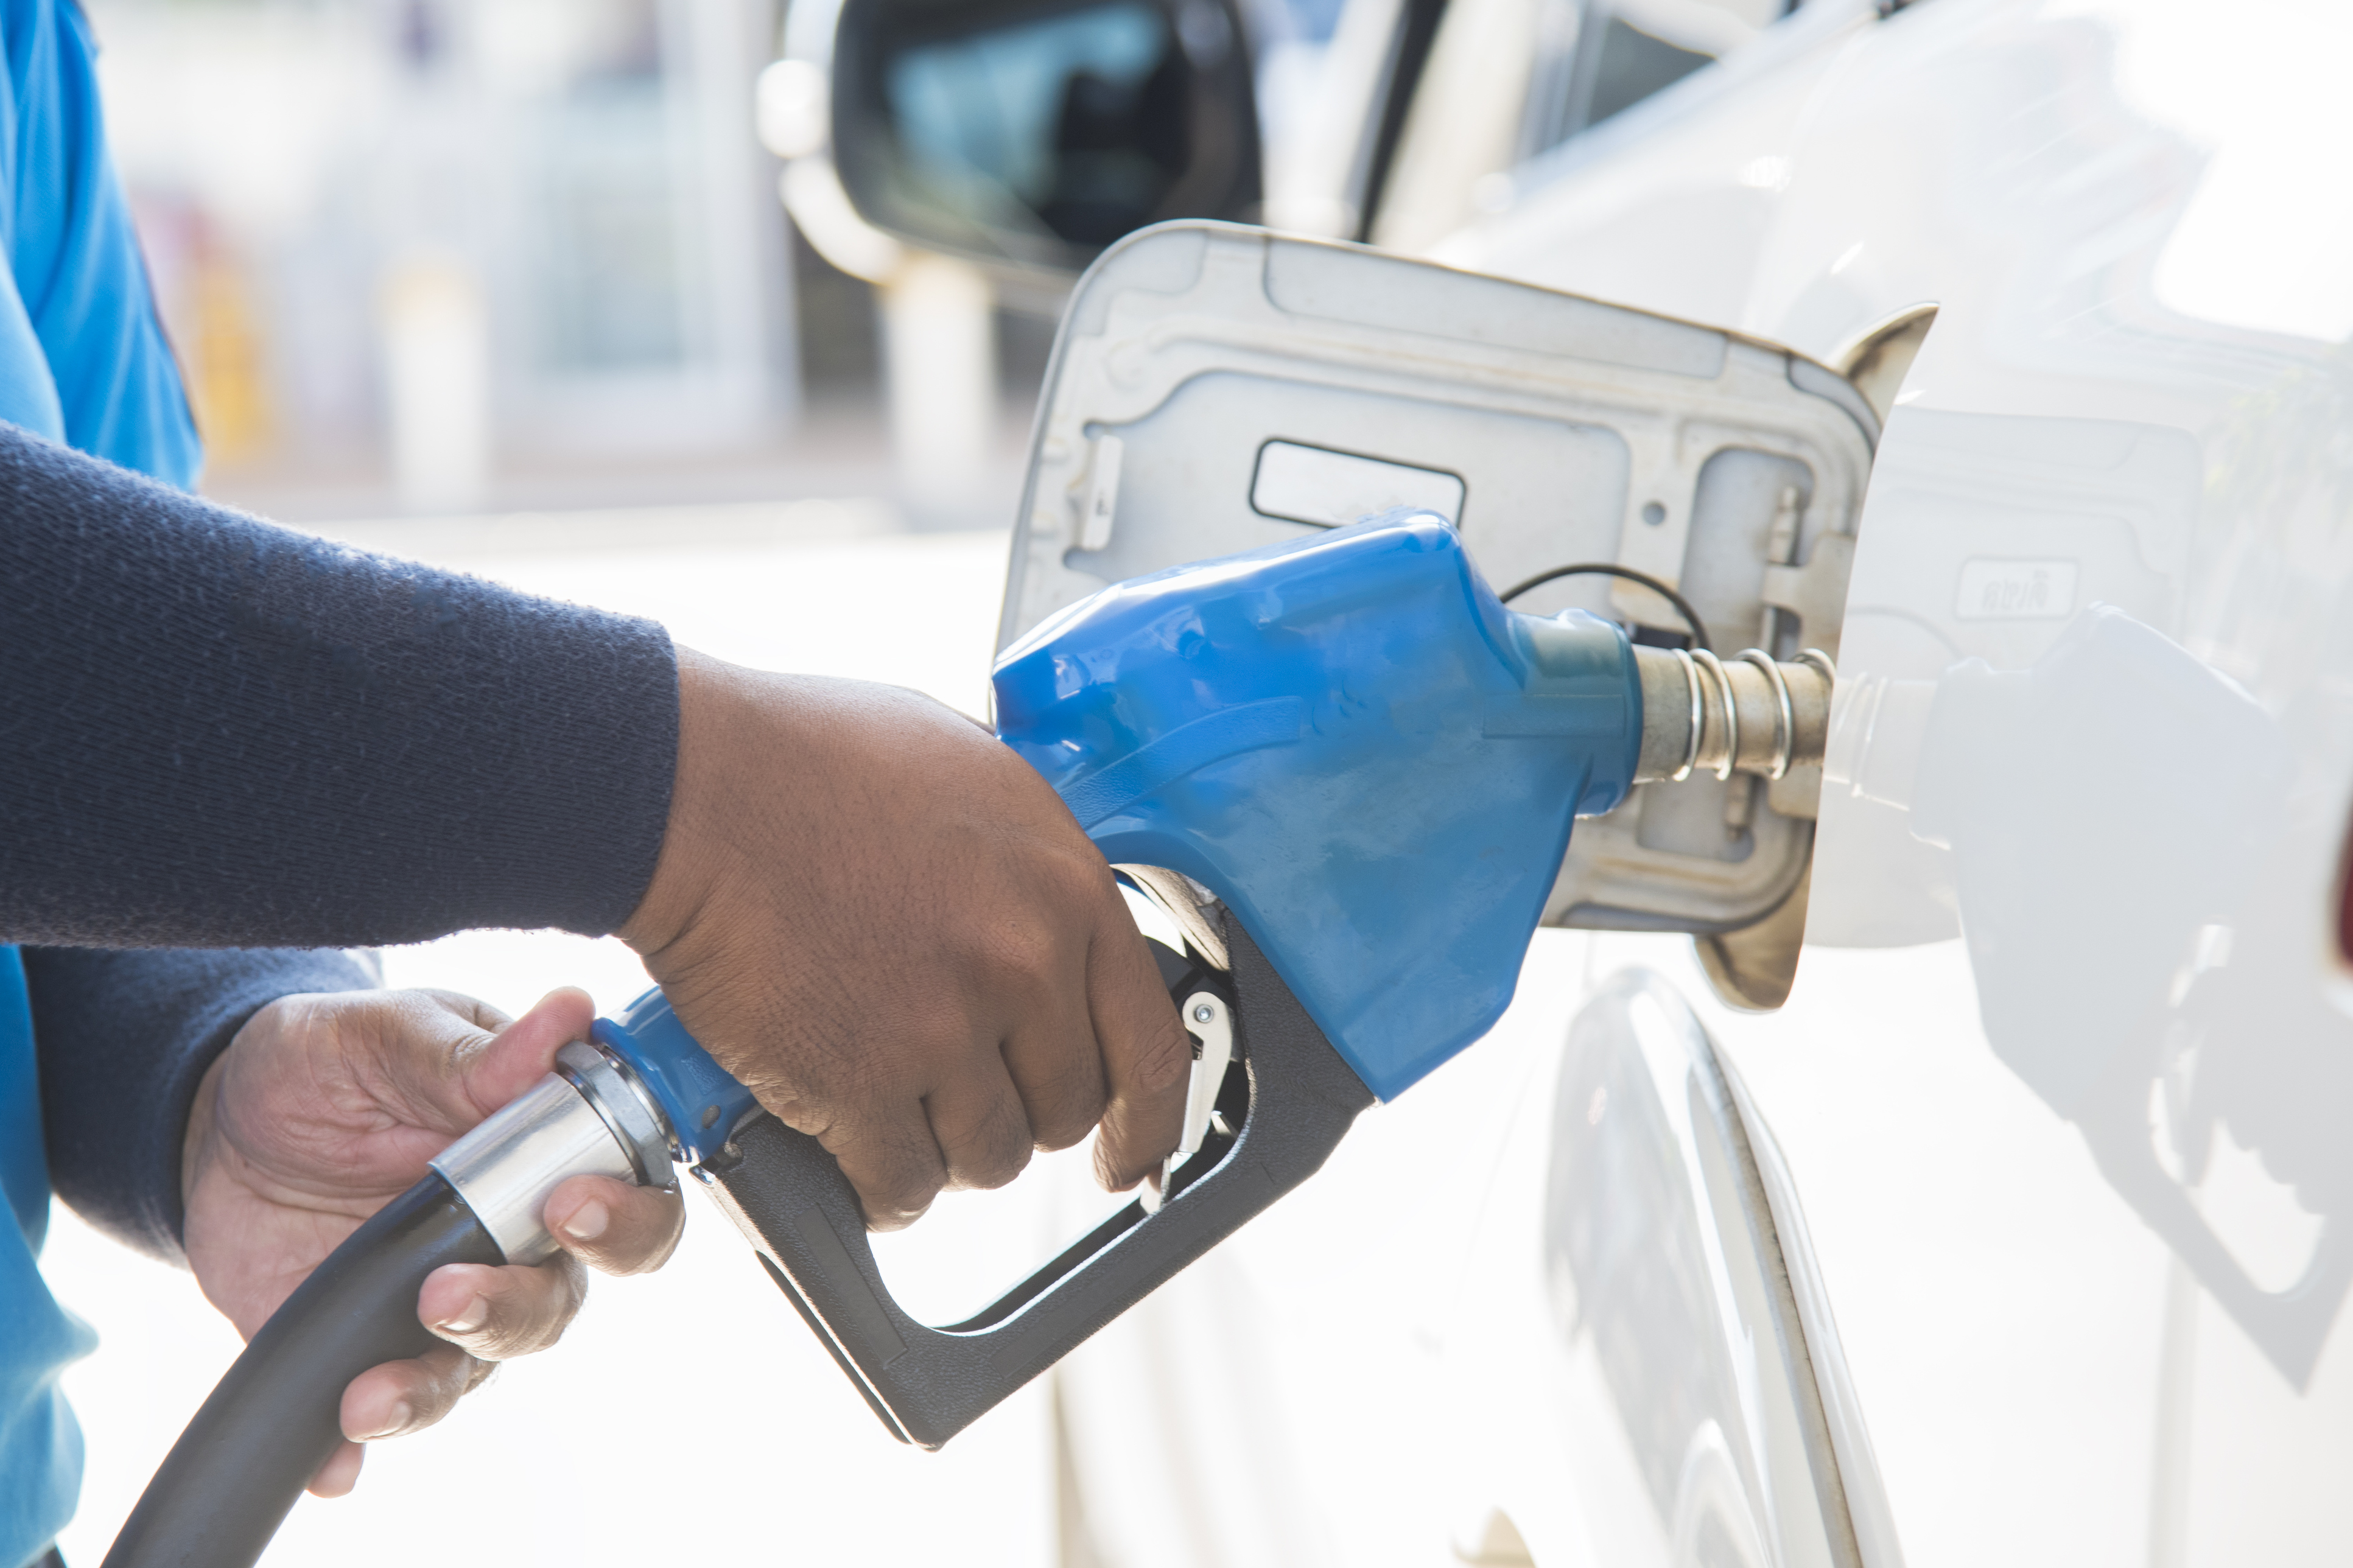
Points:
[[1746, 714]]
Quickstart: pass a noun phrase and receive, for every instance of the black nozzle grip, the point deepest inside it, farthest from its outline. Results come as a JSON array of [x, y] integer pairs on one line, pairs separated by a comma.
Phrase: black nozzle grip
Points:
[[790, 1199]]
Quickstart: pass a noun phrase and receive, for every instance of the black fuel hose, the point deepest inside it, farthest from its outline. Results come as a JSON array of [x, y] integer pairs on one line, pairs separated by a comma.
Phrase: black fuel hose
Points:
[[227, 1483]]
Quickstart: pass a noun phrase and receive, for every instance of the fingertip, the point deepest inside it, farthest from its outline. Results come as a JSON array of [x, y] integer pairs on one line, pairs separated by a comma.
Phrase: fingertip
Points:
[[1136, 1134], [590, 1217], [571, 1002], [621, 1201], [523, 1308], [376, 1404], [454, 1299], [522, 1052], [895, 1209], [885, 1220], [614, 1226], [1112, 1174], [340, 1473], [896, 1169], [564, 1015]]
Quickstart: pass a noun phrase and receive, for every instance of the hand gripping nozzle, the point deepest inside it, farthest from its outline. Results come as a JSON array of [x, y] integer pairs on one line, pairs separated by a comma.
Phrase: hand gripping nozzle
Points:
[[1259, 1128]]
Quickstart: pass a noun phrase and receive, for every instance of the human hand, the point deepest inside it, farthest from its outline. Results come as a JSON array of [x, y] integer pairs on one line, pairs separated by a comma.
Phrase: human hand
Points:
[[324, 1109], [892, 930]]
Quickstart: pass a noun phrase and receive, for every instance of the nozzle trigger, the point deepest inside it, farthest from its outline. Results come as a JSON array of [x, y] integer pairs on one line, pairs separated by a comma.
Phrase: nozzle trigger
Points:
[[1209, 1024]]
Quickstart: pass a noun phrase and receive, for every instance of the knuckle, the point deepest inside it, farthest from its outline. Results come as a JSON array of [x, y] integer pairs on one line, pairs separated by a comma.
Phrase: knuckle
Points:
[[448, 1373], [897, 1193], [1067, 1111], [994, 1166], [1026, 952], [1064, 1129], [892, 1216], [913, 1193], [904, 1192], [985, 1134]]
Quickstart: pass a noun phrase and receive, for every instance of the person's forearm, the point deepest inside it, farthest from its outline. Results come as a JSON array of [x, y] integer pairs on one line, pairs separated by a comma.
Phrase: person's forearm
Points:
[[220, 733]]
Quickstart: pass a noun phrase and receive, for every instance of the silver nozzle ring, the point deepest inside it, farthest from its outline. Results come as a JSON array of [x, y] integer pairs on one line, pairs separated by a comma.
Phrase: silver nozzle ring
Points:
[[1731, 715], [1788, 712]]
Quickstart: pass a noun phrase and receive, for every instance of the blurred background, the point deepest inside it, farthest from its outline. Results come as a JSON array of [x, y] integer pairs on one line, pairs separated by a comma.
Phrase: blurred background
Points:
[[465, 256], [421, 256]]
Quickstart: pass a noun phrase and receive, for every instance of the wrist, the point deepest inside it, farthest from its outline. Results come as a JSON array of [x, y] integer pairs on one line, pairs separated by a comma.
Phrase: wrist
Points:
[[195, 1143], [713, 717]]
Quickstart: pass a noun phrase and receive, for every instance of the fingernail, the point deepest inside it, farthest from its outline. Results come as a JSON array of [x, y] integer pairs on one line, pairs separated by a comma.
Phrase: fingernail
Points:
[[395, 1421], [588, 1222], [467, 1318]]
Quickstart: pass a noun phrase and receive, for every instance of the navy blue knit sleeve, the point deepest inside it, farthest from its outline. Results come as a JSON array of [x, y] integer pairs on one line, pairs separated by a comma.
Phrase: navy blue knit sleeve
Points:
[[123, 1039], [218, 733]]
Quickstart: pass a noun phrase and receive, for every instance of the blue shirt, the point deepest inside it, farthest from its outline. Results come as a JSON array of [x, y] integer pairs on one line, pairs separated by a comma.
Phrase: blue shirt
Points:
[[40, 1447], [83, 360]]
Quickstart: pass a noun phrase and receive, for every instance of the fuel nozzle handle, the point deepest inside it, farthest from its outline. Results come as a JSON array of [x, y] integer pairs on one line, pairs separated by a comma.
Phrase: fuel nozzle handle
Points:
[[1287, 1100], [641, 1094]]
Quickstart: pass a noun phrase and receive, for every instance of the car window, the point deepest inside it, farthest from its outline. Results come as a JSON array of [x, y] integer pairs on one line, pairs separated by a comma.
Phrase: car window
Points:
[[1597, 58], [1509, 81]]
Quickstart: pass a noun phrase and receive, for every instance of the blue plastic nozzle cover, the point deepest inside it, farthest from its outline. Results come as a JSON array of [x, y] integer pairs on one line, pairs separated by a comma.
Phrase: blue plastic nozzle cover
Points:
[[1352, 742], [701, 1098]]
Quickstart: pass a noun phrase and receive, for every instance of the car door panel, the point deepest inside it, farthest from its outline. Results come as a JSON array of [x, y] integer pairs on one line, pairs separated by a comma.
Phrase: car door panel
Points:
[[2057, 1317], [2068, 1178]]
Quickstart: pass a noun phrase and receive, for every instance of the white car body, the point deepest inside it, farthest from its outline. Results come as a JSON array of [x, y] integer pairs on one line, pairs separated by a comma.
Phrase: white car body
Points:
[[1926, 1317]]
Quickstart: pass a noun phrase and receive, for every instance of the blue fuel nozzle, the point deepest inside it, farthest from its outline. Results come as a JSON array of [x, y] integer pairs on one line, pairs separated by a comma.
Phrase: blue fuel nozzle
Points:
[[1356, 747], [1373, 763]]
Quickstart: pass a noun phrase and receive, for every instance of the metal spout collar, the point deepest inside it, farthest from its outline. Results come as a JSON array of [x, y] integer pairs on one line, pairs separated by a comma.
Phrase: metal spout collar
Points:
[[1746, 714], [587, 1118]]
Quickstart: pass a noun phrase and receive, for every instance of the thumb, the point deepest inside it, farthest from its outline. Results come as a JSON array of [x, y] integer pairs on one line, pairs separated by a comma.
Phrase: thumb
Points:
[[523, 1052]]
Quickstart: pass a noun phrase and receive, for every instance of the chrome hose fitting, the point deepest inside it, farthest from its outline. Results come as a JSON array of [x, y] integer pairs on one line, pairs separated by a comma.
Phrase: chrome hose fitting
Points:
[[589, 1117], [1748, 714]]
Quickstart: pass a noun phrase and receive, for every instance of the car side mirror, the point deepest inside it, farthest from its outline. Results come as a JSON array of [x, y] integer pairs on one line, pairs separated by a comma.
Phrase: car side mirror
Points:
[[1035, 134]]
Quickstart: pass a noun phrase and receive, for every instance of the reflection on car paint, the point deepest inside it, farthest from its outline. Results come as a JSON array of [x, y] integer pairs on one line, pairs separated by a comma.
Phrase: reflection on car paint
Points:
[[1663, 1261], [2109, 811]]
